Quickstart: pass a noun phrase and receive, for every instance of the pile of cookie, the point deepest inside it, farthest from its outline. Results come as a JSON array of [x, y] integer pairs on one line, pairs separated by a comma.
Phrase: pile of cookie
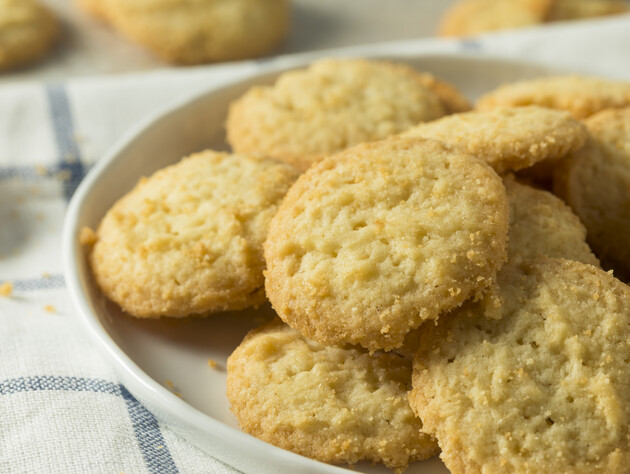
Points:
[[432, 296], [471, 17]]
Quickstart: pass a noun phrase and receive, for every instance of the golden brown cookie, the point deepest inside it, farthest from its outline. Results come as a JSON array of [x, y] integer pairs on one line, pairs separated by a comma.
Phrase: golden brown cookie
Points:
[[507, 138], [563, 10], [27, 32], [96, 8], [471, 17], [333, 104], [328, 403], [543, 225], [595, 182], [582, 96], [373, 241], [188, 240], [534, 381], [200, 31]]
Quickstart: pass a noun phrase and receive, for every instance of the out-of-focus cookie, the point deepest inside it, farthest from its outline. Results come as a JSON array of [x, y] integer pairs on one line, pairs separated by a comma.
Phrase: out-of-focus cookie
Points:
[[96, 8], [188, 240], [535, 381], [27, 32], [508, 138], [543, 225], [563, 10], [333, 104], [471, 17], [453, 101], [200, 31], [581, 96], [595, 182], [328, 403], [373, 241]]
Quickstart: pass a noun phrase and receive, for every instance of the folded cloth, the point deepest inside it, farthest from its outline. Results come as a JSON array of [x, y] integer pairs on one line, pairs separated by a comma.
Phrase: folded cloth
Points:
[[63, 408]]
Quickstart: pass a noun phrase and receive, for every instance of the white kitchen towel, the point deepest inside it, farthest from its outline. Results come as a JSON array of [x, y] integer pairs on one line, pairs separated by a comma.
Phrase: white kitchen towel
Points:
[[62, 407]]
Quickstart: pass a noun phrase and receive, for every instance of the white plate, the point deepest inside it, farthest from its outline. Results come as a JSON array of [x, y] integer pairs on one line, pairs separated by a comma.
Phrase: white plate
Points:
[[150, 355]]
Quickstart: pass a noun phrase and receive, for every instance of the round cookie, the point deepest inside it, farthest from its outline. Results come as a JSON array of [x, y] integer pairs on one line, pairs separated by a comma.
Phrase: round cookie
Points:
[[563, 10], [543, 225], [188, 240], [471, 17], [27, 32], [371, 242], [333, 104], [508, 138], [200, 31], [595, 182], [328, 403], [581, 96], [537, 382]]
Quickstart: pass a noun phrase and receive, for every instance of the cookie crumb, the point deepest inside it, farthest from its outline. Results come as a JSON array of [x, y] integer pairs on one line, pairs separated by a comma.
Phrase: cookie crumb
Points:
[[6, 289], [212, 363], [50, 308], [87, 236]]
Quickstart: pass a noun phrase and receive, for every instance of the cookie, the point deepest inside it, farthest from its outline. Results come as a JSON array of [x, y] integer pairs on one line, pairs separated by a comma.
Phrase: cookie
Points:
[[538, 383], [543, 225], [508, 138], [188, 240], [96, 8], [333, 104], [471, 17], [328, 403], [194, 32], [581, 96], [563, 10], [27, 32], [540, 225], [595, 182], [371, 242]]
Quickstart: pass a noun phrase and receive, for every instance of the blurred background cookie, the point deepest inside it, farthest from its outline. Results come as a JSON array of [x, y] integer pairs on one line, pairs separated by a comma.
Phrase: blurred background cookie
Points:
[[28, 32], [198, 31]]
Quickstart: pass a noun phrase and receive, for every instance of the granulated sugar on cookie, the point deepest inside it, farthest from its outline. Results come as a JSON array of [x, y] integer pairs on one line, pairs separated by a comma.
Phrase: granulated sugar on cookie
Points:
[[508, 138], [329, 403], [373, 241], [27, 32], [595, 182], [534, 380], [188, 240], [581, 96], [332, 105]]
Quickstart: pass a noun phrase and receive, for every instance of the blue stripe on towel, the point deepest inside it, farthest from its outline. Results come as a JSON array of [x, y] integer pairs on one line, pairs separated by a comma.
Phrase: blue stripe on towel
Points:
[[146, 427], [51, 282], [63, 127]]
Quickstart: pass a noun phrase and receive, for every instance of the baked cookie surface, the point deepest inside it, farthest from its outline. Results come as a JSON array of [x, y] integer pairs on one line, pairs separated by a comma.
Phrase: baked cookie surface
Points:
[[543, 225], [373, 241], [563, 10], [188, 240], [333, 104], [471, 17], [581, 96], [534, 381], [27, 32], [595, 182], [199, 31], [508, 138], [328, 403]]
